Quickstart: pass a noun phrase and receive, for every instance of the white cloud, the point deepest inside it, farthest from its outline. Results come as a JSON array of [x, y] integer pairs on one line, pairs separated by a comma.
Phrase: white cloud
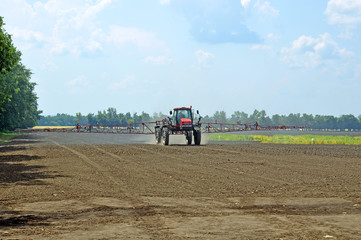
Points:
[[344, 11], [272, 37], [159, 60], [217, 21], [266, 9], [57, 26], [269, 40], [122, 84], [261, 47], [27, 34], [164, 2], [203, 57], [245, 2], [86, 14], [29, 38], [49, 65], [143, 39], [71, 27], [78, 85], [311, 52], [80, 81]]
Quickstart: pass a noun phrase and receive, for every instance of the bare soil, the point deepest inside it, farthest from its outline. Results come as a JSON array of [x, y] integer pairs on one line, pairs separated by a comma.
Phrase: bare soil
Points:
[[92, 186]]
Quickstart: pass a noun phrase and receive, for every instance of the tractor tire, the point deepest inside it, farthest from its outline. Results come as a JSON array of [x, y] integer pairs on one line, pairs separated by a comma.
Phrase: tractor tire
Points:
[[197, 137], [165, 136], [158, 135], [188, 137]]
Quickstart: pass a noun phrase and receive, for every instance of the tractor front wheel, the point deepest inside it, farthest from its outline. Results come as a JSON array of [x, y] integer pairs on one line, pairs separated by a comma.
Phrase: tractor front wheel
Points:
[[165, 136], [197, 137], [158, 135], [188, 137]]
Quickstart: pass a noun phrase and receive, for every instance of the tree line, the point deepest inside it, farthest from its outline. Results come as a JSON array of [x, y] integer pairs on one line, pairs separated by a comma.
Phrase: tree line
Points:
[[110, 116], [347, 121], [18, 102]]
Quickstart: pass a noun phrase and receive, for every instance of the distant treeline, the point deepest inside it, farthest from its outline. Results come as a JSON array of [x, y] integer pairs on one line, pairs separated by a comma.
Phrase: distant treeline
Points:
[[110, 116]]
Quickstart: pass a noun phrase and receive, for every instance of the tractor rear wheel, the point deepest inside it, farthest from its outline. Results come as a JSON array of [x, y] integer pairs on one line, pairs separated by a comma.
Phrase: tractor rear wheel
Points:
[[165, 136], [197, 137], [188, 137]]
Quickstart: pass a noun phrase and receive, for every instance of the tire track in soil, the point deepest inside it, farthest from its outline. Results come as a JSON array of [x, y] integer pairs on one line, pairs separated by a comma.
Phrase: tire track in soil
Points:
[[176, 167], [208, 174], [253, 178], [297, 167], [288, 221], [299, 222], [320, 177], [308, 170], [335, 230], [180, 162], [185, 162], [307, 153], [153, 223], [178, 209], [180, 178], [147, 171]]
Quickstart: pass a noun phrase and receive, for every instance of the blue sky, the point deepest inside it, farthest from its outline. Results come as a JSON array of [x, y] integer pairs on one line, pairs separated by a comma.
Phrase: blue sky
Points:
[[152, 55]]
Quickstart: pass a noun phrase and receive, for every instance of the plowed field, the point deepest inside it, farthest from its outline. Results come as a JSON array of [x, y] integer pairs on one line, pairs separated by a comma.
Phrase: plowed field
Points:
[[98, 186]]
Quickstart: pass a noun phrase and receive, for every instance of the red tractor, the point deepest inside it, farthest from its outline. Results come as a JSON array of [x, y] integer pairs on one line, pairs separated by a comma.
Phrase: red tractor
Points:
[[180, 121]]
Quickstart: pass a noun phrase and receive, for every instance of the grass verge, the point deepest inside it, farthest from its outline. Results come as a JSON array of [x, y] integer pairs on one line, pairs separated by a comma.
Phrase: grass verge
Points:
[[288, 139], [7, 136]]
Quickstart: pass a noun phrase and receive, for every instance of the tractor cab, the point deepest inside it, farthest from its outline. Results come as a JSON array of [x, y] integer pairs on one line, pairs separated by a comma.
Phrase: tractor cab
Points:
[[182, 117]]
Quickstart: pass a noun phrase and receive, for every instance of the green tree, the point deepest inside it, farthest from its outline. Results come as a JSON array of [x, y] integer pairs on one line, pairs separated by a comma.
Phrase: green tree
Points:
[[102, 118], [348, 122], [112, 116], [276, 120], [21, 111], [91, 119], [330, 122], [293, 119], [264, 119], [255, 116], [158, 116], [220, 116], [236, 117], [307, 120], [9, 56], [79, 118], [145, 117], [128, 118], [244, 117], [207, 119], [136, 118]]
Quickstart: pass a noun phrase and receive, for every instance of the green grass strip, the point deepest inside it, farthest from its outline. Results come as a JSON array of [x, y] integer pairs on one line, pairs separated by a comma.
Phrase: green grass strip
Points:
[[288, 139], [7, 136]]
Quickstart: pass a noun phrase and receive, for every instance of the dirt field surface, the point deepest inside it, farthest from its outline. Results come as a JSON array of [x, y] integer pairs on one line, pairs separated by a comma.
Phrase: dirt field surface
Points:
[[98, 186]]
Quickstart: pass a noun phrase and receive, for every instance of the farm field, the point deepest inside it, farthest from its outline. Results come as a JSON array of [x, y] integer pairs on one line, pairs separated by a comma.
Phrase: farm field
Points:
[[109, 186]]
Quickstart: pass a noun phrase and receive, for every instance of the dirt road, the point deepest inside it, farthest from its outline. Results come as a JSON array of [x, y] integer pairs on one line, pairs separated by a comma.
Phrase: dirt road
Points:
[[82, 186]]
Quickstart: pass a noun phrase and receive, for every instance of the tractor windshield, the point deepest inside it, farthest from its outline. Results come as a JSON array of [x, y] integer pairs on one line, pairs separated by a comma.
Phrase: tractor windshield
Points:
[[181, 113]]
